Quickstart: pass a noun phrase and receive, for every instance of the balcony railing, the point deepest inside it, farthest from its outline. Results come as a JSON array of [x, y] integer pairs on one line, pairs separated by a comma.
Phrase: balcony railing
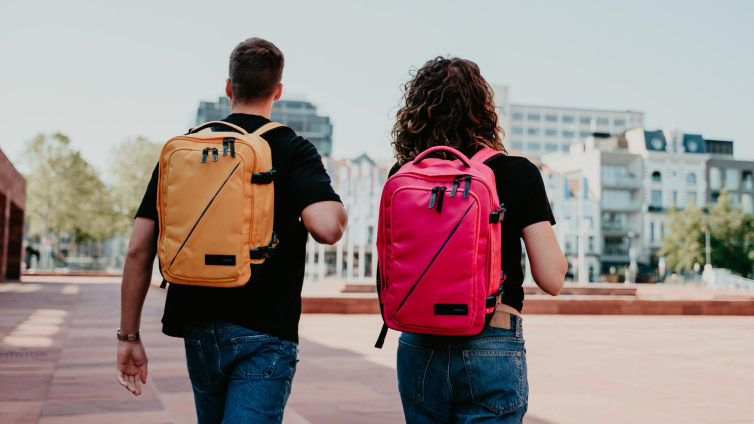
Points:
[[614, 227], [620, 182], [621, 206]]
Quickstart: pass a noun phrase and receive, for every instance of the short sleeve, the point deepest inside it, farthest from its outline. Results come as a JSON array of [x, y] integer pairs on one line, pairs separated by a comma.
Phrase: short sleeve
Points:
[[309, 182], [148, 207], [535, 206]]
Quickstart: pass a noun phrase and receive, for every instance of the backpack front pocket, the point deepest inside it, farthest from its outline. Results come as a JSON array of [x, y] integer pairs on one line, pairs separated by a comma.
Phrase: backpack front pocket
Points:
[[203, 231], [432, 278]]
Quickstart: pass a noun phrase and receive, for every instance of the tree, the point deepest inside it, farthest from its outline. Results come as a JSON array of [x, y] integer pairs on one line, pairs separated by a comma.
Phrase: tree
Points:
[[732, 234], [131, 167], [683, 244], [64, 193]]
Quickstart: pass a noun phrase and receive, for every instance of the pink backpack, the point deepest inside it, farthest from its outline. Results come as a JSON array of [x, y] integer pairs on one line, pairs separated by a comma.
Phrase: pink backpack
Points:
[[438, 245]]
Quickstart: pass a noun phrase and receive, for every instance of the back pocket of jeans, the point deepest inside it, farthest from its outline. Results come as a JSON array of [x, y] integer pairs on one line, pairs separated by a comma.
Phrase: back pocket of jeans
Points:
[[496, 378], [413, 362], [197, 368], [256, 356]]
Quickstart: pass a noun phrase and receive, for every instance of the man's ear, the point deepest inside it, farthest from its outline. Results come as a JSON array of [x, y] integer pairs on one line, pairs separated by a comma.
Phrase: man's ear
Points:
[[278, 93], [228, 89]]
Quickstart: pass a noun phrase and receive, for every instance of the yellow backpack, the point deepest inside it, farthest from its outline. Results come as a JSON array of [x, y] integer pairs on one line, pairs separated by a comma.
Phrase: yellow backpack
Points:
[[215, 205]]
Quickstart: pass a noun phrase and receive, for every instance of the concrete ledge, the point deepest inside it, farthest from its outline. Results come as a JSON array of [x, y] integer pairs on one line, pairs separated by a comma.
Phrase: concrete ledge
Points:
[[568, 305]]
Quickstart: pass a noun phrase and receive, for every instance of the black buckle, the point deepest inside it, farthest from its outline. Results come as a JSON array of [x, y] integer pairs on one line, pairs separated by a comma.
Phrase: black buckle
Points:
[[498, 215], [266, 251], [264, 177]]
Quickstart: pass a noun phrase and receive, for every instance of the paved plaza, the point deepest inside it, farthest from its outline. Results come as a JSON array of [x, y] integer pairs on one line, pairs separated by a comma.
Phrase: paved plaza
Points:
[[57, 352]]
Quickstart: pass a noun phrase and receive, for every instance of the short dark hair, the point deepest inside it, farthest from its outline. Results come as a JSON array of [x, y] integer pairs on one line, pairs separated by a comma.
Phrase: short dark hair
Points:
[[256, 68]]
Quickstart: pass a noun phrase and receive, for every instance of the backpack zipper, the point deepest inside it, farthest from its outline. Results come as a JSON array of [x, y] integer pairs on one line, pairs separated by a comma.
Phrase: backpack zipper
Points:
[[441, 195], [214, 154], [433, 198], [204, 154]]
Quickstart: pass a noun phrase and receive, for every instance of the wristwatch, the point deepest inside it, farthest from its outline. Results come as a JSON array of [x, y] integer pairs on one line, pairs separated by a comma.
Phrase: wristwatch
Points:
[[129, 337]]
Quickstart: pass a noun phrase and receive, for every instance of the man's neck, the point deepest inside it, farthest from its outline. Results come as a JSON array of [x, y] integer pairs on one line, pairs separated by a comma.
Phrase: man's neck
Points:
[[259, 109]]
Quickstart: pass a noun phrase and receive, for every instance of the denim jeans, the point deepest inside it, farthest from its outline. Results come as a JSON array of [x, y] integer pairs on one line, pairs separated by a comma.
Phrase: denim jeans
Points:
[[238, 375], [464, 379]]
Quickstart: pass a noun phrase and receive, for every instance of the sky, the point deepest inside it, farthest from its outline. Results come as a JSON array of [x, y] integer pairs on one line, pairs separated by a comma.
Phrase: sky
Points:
[[104, 72]]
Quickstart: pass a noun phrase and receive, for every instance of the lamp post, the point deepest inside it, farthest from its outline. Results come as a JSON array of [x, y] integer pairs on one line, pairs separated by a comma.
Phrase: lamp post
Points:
[[633, 267]]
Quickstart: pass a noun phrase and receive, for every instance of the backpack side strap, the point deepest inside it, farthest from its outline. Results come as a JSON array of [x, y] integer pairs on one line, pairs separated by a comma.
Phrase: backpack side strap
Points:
[[485, 154], [266, 128]]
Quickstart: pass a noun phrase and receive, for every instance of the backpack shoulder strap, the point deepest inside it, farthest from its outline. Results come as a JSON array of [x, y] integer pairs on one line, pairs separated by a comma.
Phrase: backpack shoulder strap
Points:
[[266, 127], [484, 155]]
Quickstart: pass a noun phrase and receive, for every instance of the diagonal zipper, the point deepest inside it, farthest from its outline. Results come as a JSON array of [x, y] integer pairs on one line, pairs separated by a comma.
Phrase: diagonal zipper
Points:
[[202, 216], [436, 255]]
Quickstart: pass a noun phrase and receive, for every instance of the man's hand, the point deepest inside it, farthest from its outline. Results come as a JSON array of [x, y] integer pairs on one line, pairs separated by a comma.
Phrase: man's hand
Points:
[[132, 365]]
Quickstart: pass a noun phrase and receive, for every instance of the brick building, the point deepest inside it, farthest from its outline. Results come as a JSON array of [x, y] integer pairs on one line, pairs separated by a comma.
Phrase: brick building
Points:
[[12, 200]]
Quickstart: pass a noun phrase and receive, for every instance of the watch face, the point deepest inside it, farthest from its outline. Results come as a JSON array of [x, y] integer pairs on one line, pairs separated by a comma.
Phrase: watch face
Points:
[[658, 143], [692, 146]]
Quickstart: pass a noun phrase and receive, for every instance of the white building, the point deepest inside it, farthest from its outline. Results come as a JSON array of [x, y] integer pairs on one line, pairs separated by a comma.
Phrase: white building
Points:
[[536, 130]]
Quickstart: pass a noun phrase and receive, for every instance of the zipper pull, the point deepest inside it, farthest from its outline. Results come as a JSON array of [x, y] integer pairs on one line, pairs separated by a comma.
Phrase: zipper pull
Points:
[[204, 154], [232, 147], [433, 198], [214, 155], [468, 184], [456, 181], [225, 146], [439, 200]]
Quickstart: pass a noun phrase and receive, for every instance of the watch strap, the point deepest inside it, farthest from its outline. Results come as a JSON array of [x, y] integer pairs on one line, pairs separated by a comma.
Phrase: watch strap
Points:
[[128, 337]]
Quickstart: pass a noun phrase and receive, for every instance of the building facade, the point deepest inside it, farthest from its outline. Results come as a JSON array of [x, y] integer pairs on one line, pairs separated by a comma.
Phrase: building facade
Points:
[[737, 176], [536, 130], [12, 201], [299, 115]]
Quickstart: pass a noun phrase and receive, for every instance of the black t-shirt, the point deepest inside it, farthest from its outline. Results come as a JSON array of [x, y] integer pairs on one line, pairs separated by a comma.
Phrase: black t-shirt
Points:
[[522, 191], [271, 303]]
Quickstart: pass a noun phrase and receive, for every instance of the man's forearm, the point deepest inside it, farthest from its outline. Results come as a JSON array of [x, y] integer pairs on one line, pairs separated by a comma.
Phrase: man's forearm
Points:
[[137, 276]]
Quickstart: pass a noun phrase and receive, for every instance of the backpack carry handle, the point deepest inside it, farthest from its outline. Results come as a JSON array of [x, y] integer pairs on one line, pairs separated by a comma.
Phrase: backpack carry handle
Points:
[[233, 128], [464, 160]]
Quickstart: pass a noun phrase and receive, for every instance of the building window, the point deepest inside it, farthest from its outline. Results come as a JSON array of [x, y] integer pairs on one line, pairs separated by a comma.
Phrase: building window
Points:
[[731, 179], [568, 119], [691, 178], [585, 120], [532, 131], [675, 197], [518, 116], [551, 147], [656, 177], [714, 197], [551, 118], [518, 130], [715, 178], [590, 248], [551, 133], [748, 202], [656, 199], [603, 121], [691, 198], [569, 134], [585, 134], [517, 145], [747, 180], [619, 123], [533, 146], [533, 117], [652, 231]]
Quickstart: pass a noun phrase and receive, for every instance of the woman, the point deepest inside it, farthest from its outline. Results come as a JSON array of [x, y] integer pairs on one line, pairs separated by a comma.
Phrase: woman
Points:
[[482, 378]]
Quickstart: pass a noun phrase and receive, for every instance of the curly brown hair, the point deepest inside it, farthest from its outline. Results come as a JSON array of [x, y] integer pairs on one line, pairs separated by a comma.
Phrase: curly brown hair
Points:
[[447, 102]]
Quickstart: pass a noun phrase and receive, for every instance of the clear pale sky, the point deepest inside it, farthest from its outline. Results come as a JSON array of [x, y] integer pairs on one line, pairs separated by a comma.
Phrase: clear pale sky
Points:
[[102, 72]]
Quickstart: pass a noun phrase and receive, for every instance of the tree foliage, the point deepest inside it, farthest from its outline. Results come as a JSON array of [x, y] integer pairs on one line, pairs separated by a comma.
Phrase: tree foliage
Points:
[[683, 244], [64, 192], [731, 237], [131, 167]]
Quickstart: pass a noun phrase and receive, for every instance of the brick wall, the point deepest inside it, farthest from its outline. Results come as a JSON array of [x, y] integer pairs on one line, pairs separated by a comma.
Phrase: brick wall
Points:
[[12, 202]]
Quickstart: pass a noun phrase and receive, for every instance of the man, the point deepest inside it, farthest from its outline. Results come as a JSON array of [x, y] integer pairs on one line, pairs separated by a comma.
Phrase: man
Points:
[[241, 343]]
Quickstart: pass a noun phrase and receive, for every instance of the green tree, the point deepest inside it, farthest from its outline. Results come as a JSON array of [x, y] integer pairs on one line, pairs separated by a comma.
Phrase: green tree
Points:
[[732, 235], [131, 167], [64, 193], [683, 244]]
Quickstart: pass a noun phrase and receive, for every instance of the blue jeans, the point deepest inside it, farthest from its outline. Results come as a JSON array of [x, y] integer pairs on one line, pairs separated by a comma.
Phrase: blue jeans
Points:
[[464, 379], [238, 375]]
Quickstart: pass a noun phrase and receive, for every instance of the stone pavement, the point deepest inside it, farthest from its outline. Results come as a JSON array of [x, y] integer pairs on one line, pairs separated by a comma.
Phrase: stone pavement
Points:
[[57, 354]]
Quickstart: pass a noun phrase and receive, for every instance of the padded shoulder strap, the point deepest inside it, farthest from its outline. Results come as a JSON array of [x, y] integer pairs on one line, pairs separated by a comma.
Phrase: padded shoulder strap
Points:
[[484, 155], [266, 127], [208, 125]]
